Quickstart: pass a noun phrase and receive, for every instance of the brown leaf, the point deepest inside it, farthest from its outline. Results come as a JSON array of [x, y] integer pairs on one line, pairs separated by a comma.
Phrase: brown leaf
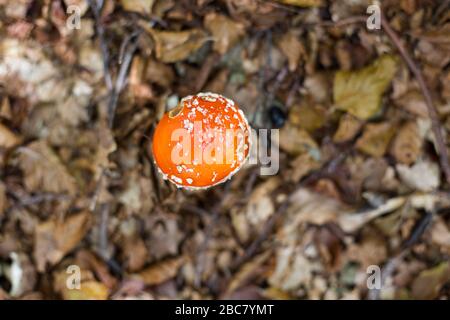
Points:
[[292, 48], [242, 276], [135, 253], [161, 271], [429, 282], [174, 46], [8, 139], [43, 171], [302, 3], [407, 145], [349, 127], [295, 140], [375, 139], [55, 238], [225, 31], [3, 199]]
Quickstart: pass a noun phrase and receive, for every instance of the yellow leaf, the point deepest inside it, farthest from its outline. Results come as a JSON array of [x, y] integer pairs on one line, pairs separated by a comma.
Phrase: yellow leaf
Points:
[[138, 5], [90, 290], [360, 92], [176, 46], [161, 271], [429, 282]]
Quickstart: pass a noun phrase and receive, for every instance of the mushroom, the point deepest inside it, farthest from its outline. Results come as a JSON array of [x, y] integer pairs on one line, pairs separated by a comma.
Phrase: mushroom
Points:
[[202, 142]]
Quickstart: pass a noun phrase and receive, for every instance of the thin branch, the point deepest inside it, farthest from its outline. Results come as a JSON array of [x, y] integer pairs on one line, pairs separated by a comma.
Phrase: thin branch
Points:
[[441, 144], [96, 7], [125, 59]]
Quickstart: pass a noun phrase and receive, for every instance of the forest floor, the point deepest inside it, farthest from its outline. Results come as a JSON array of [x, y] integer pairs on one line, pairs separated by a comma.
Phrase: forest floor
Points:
[[361, 195]]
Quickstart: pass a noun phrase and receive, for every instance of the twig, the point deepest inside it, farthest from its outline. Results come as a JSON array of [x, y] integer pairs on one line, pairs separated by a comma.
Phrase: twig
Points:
[[435, 123], [96, 7], [131, 46]]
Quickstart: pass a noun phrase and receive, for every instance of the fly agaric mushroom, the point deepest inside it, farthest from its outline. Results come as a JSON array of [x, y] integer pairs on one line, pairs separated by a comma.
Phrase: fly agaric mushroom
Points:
[[202, 142]]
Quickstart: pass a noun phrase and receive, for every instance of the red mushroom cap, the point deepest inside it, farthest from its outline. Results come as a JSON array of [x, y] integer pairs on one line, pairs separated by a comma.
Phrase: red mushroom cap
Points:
[[202, 142]]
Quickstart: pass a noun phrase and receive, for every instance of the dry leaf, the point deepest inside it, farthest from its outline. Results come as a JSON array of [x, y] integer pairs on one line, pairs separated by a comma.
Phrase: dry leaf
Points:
[[372, 251], [55, 238], [144, 6], [429, 282], [351, 222], [225, 31], [161, 271], [349, 127], [424, 175], [302, 165], [295, 140], [3, 199], [440, 234], [174, 46], [241, 276], [90, 290], [8, 139], [375, 139], [292, 48], [303, 3], [308, 116], [413, 102], [360, 92], [407, 145], [43, 171]]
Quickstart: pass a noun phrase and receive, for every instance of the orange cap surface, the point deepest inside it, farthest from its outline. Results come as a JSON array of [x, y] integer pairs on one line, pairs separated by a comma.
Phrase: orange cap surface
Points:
[[202, 142]]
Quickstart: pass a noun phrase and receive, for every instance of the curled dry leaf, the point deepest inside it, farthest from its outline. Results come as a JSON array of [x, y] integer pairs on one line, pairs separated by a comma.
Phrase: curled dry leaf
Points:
[[55, 238], [161, 271], [360, 92], [43, 171], [225, 31], [174, 46]]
